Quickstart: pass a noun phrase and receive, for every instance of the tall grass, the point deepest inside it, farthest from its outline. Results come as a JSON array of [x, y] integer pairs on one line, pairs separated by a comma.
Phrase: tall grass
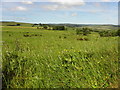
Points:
[[56, 59]]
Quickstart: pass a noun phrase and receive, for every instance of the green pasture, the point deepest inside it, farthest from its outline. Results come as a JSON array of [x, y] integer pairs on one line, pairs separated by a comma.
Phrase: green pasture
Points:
[[35, 58]]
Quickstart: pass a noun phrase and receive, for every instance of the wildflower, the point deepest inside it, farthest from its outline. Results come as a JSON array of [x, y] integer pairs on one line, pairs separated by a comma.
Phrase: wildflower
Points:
[[74, 51], [98, 62], [79, 51], [101, 57]]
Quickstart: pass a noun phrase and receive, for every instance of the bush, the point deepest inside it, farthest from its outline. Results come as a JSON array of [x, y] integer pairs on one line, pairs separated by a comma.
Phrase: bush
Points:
[[78, 31], [17, 24], [83, 31], [45, 27], [34, 25], [118, 32], [59, 28], [108, 33]]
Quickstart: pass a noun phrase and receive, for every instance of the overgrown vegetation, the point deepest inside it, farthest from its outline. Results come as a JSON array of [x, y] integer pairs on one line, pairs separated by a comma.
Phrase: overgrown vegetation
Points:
[[39, 58], [83, 31], [108, 33]]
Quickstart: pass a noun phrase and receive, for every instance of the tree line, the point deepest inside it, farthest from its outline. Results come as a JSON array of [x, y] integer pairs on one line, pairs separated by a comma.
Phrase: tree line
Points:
[[103, 33], [49, 27]]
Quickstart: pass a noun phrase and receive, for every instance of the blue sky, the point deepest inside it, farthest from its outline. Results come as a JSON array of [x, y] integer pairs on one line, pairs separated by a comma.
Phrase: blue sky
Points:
[[65, 11]]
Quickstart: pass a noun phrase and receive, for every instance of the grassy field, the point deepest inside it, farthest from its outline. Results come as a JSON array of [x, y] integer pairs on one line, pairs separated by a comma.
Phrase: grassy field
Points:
[[34, 58]]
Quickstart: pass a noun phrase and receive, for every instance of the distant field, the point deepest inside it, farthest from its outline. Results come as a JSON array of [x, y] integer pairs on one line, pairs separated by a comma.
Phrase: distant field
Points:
[[103, 27], [38, 58], [14, 23], [96, 27]]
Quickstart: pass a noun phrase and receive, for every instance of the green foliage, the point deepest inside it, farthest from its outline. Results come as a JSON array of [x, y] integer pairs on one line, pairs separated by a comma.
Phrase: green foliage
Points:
[[34, 25], [58, 27], [118, 32], [15, 24], [108, 33], [51, 27], [78, 31], [83, 31], [45, 59], [45, 27], [18, 24]]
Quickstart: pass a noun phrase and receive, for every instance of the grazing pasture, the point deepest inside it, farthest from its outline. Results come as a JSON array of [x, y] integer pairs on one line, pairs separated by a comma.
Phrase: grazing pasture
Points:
[[38, 58]]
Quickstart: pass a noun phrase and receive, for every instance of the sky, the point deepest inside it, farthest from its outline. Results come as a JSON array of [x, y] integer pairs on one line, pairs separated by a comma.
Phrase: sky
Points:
[[61, 11]]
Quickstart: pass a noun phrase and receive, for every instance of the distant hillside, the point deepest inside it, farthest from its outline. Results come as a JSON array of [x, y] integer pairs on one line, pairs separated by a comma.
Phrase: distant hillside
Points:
[[12, 23], [92, 26]]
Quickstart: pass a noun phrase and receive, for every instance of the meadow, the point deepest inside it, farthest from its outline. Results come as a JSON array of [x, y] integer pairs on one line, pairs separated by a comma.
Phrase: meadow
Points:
[[38, 58]]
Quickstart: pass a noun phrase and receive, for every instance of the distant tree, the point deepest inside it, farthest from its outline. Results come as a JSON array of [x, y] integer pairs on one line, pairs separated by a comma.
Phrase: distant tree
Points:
[[40, 24], [86, 31], [83, 31], [62, 28], [35, 25], [58, 27], [11, 25], [118, 32], [54, 27], [17, 24], [78, 31], [109, 33], [45, 27]]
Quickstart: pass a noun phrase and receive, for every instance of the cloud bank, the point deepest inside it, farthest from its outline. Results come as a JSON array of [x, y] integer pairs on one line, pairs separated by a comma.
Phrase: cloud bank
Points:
[[63, 4], [19, 8]]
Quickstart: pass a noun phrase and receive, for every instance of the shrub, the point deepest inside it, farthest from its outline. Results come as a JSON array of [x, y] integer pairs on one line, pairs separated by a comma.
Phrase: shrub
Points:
[[108, 33], [118, 32], [59, 28], [45, 27], [83, 31], [17, 24]]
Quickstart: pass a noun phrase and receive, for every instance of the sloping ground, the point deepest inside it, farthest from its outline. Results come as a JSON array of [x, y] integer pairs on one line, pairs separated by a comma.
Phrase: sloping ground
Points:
[[14, 23], [35, 58]]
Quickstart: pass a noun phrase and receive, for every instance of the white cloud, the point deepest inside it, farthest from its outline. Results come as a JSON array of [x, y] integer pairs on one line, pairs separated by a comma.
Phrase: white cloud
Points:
[[63, 4], [59, 0], [106, 0], [74, 14], [19, 8], [110, 0], [69, 2], [27, 2], [20, 18], [51, 7], [56, 7], [93, 10]]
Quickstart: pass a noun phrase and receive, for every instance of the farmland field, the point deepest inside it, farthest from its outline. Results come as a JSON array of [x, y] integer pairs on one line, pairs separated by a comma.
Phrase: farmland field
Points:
[[39, 58]]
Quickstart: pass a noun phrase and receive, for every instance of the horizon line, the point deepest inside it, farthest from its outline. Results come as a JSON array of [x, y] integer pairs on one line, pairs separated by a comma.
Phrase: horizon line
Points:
[[58, 23]]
